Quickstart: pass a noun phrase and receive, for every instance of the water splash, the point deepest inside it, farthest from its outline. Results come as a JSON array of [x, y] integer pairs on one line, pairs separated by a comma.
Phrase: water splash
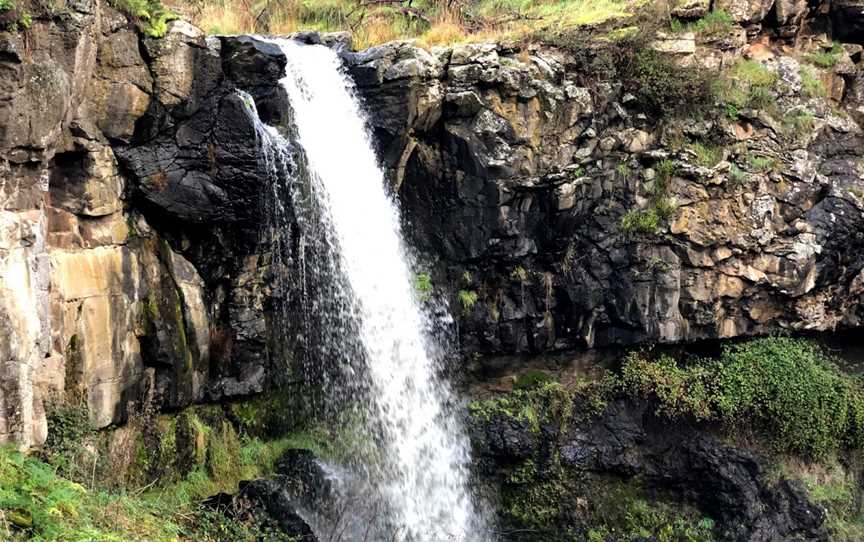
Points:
[[366, 322]]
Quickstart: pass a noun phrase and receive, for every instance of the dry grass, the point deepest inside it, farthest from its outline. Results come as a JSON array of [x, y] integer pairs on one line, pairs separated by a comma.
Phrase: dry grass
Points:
[[431, 22]]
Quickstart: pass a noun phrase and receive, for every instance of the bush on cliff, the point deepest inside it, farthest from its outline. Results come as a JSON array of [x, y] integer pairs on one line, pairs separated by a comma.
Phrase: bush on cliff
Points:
[[151, 16], [789, 388]]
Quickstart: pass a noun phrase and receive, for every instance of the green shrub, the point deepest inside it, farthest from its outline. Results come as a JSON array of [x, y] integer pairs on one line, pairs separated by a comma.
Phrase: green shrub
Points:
[[794, 389], [825, 59], [666, 89], [151, 16], [788, 387], [68, 430], [680, 391]]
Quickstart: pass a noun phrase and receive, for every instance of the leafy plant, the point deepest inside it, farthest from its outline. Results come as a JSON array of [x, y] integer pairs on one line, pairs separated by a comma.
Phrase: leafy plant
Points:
[[423, 285], [151, 16], [467, 298]]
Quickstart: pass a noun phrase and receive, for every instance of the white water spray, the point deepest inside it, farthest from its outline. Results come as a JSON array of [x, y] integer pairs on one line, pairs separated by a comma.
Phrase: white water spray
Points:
[[421, 471]]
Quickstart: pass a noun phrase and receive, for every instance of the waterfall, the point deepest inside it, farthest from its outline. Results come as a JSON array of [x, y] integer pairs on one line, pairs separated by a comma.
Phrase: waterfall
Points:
[[366, 319]]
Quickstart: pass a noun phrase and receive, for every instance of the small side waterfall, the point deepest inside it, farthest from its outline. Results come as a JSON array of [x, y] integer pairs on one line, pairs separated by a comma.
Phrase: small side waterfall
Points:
[[366, 322]]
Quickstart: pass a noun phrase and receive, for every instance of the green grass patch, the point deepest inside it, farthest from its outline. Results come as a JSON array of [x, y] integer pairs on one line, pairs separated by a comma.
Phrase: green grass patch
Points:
[[648, 221], [761, 164], [707, 155], [645, 221], [811, 85], [746, 85], [797, 123], [825, 58], [715, 23]]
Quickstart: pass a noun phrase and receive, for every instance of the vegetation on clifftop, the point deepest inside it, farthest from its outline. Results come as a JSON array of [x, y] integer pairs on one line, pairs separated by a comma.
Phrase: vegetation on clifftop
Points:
[[432, 22]]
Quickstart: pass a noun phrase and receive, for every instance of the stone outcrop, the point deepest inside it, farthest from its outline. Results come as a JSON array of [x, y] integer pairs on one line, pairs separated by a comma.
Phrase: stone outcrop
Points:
[[132, 262], [627, 441], [515, 173]]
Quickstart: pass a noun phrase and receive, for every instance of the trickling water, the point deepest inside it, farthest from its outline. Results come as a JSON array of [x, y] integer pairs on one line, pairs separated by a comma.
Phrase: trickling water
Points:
[[367, 318]]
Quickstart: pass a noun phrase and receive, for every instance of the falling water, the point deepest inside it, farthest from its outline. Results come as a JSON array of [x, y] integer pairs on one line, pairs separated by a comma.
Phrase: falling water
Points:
[[367, 316]]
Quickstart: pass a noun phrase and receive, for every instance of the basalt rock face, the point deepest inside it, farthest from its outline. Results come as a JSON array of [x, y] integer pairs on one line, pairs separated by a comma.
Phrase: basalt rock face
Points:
[[516, 173], [134, 259]]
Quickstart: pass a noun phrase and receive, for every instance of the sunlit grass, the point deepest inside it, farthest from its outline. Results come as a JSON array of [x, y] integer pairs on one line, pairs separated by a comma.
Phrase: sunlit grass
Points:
[[428, 21]]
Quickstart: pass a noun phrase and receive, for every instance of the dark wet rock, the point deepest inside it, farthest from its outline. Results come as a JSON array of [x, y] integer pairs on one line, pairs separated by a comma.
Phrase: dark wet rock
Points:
[[629, 442]]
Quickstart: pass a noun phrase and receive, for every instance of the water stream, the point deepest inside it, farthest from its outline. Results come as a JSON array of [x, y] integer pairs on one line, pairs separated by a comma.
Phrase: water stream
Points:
[[365, 318]]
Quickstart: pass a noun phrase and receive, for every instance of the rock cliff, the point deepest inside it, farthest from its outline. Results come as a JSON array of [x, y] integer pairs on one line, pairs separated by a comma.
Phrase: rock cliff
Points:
[[136, 259], [518, 172]]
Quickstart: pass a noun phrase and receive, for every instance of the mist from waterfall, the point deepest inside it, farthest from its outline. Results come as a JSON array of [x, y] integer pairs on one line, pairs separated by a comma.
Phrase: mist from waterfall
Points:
[[364, 317]]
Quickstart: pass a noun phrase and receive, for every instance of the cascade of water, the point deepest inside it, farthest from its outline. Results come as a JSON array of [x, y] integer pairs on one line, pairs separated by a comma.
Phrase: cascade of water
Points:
[[368, 321]]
